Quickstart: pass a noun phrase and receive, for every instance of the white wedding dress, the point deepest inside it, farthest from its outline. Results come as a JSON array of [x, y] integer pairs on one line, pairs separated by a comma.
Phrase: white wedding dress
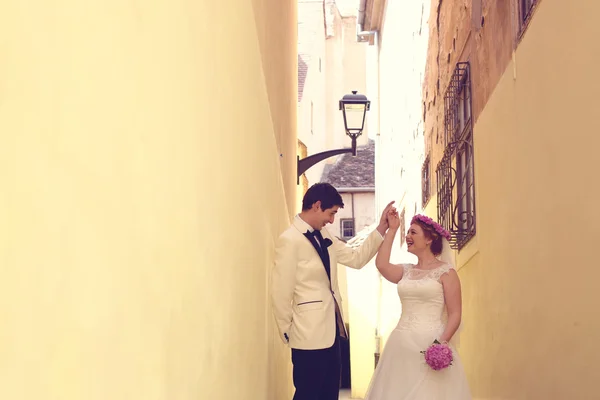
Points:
[[402, 373]]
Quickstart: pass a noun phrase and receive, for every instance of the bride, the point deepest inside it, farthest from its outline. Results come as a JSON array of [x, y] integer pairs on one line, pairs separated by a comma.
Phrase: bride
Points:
[[431, 310]]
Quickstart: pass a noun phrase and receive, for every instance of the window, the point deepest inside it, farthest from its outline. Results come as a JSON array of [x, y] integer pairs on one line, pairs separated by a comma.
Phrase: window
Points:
[[455, 172], [347, 228], [402, 228], [465, 185], [525, 10], [425, 182]]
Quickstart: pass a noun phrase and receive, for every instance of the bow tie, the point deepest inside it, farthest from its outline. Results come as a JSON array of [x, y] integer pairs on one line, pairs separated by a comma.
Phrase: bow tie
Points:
[[323, 242], [315, 233]]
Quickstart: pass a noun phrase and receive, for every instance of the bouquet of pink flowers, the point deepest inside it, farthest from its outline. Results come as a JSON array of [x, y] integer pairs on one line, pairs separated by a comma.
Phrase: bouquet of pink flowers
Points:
[[438, 356]]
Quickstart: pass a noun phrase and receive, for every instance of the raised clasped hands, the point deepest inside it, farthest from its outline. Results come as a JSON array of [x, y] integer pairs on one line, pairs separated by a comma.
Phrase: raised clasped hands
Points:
[[383, 221], [393, 218]]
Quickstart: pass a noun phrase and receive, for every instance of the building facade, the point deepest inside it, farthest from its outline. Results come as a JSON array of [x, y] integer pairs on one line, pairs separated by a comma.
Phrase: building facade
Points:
[[330, 65], [494, 143]]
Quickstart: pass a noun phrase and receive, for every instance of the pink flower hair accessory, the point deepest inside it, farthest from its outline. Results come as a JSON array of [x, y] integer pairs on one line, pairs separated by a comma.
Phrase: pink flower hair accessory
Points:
[[436, 227]]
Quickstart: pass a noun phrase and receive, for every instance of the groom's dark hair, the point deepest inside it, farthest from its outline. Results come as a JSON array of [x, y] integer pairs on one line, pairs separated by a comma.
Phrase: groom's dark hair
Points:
[[323, 192]]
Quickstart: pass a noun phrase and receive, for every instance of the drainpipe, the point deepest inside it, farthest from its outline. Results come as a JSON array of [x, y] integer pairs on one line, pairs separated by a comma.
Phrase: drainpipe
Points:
[[378, 324], [362, 36], [353, 221]]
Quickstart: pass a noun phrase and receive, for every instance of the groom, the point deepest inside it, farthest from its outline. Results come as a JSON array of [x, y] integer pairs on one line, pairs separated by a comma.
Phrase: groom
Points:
[[305, 293]]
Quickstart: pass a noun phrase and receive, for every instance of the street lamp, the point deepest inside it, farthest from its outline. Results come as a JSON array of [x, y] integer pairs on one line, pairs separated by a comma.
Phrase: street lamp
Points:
[[354, 108]]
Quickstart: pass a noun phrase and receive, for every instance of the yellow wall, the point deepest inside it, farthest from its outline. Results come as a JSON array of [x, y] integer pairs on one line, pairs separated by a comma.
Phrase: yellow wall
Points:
[[530, 291], [276, 27], [140, 162]]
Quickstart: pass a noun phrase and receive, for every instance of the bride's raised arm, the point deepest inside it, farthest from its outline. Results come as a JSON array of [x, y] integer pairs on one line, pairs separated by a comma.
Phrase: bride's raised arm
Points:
[[391, 272]]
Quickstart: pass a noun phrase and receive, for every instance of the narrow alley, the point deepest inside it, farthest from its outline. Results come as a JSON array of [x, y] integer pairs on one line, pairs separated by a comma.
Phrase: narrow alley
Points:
[[153, 152]]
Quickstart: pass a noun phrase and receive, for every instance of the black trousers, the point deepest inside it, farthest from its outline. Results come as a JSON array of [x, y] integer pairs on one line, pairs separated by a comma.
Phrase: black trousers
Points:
[[317, 373]]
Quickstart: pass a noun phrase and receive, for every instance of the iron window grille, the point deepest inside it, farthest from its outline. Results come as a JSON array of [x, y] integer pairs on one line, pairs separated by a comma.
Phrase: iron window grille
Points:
[[425, 182], [455, 171], [526, 8], [347, 228]]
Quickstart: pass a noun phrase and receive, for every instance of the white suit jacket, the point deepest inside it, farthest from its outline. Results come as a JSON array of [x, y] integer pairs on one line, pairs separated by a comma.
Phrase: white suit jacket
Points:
[[302, 295]]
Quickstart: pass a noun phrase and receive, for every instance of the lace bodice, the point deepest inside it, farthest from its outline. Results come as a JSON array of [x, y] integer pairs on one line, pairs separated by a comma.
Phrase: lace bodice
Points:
[[422, 297]]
